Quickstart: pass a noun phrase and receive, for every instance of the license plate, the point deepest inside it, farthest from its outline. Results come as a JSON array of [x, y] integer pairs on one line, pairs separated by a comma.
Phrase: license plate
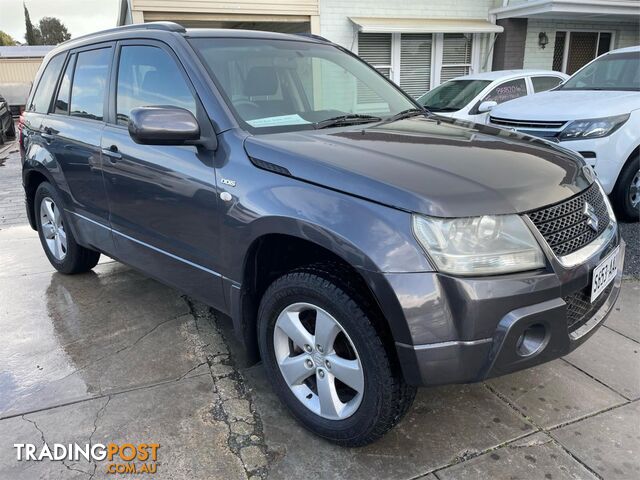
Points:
[[604, 274]]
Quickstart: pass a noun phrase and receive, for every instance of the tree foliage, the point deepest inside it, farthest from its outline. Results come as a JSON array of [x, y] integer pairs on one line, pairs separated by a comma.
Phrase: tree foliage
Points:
[[50, 30], [32, 33], [6, 40]]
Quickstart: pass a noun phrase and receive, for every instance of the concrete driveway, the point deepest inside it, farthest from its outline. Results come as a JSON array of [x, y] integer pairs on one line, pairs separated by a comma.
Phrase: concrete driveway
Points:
[[113, 356]]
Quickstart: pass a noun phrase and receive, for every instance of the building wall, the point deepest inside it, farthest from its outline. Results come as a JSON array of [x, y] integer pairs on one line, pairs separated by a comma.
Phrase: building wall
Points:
[[18, 70], [508, 51], [336, 26], [201, 12], [626, 35]]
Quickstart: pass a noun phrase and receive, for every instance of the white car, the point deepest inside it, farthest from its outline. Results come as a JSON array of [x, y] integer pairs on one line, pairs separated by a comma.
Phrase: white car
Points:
[[595, 113], [471, 97]]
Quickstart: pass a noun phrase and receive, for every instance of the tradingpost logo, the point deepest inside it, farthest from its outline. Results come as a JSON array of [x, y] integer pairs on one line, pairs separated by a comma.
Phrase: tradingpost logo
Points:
[[121, 458]]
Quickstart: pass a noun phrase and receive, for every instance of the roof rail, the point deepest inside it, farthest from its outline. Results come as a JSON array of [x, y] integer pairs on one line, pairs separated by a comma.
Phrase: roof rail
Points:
[[314, 36], [166, 26]]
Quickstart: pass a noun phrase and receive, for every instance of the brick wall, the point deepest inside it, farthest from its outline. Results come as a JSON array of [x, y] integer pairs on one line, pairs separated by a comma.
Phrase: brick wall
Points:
[[626, 35]]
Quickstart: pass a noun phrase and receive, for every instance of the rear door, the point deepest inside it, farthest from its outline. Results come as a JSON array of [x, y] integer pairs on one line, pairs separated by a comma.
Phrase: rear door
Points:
[[73, 130], [163, 202]]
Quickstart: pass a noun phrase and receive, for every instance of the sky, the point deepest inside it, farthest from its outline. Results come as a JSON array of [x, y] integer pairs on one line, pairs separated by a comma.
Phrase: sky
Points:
[[79, 16]]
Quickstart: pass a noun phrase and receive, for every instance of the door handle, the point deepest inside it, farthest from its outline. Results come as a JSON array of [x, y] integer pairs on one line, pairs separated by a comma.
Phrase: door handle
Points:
[[113, 153], [47, 134]]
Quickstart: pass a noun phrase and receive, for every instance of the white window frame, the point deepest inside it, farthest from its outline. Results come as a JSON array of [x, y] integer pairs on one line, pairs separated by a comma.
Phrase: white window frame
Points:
[[567, 37], [436, 57]]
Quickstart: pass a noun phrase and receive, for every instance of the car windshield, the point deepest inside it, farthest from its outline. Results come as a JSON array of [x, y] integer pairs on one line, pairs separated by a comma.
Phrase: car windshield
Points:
[[616, 71], [452, 95], [283, 85]]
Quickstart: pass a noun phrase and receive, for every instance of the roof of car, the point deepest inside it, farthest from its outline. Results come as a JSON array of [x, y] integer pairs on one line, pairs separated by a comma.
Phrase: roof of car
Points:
[[504, 74], [635, 48]]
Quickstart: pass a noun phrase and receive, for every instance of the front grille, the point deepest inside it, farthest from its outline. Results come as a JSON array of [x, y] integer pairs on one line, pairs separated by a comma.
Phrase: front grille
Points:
[[579, 306], [506, 122], [564, 226]]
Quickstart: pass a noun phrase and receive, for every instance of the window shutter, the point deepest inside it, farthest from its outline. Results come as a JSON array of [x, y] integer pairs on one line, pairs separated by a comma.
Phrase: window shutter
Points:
[[415, 63], [375, 49], [456, 56]]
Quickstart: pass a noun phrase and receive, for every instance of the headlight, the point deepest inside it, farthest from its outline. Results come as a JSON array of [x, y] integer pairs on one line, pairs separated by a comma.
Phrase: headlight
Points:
[[486, 245], [594, 128]]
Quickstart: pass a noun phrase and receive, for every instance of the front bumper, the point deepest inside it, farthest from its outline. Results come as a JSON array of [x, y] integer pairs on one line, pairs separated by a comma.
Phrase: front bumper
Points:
[[466, 330]]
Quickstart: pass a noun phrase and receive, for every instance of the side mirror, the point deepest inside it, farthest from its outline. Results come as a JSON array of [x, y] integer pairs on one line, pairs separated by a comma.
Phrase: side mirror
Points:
[[486, 106], [162, 125]]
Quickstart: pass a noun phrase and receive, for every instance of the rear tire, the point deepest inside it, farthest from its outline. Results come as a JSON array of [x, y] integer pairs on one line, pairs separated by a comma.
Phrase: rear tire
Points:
[[368, 403], [57, 240], [626, 194]]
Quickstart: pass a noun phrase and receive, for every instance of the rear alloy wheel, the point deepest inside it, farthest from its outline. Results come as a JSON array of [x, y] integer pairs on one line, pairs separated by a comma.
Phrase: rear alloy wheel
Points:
[[325, 358], [53, 228], [57, 239]]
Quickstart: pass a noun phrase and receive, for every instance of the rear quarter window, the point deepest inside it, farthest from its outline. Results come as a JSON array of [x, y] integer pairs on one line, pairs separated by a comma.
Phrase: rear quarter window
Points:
[[90, 83], [41, 99], [542, 84]]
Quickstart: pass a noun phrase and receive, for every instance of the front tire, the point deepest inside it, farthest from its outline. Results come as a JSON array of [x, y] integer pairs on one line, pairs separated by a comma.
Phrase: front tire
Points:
[[626, 194], [57, 240], [326, 360]]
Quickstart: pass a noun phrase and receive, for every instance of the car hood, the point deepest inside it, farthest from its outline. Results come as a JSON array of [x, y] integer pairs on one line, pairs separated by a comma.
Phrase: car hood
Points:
[[439, 167], [568, 105]]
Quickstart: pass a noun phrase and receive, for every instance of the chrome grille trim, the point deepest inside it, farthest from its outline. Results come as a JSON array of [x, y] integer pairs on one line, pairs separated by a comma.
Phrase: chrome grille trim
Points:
[[544, 124], [565, 229]]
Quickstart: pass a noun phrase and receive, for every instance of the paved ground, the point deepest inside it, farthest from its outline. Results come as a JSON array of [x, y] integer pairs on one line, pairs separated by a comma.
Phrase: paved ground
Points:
[[112, 356]]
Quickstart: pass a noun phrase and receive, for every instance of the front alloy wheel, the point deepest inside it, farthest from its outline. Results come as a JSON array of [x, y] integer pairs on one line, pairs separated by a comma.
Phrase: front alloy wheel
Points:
[[322, 368], [323, 352]]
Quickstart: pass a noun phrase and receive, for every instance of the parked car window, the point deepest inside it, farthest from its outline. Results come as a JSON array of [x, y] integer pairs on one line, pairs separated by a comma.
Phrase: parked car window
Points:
[[542, 84], [291, 85], [61, 105], [149, 76], [89, 83], [616, 71], [452, 95], [42, 96], [507, 91]]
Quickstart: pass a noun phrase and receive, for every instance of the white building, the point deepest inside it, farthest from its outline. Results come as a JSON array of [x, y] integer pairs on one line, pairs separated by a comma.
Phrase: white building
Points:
[[421, 43]]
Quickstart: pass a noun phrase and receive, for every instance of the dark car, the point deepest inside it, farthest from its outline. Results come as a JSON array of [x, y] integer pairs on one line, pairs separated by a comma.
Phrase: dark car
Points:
[[7, 127], [361, 247]]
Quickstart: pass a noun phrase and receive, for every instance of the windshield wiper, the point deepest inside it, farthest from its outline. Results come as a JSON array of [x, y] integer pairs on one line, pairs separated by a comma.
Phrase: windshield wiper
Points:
[[409, 112], [343, 120]]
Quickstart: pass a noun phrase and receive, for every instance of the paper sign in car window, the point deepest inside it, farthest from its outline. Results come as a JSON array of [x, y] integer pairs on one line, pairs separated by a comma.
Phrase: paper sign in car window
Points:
[[278, 121]]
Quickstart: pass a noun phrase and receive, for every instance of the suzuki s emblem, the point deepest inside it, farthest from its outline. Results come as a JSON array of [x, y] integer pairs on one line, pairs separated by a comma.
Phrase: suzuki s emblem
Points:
[[592, 218]]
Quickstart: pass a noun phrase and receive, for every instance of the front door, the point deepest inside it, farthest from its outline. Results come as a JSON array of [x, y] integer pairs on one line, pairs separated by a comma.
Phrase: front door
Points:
[[162, 198]]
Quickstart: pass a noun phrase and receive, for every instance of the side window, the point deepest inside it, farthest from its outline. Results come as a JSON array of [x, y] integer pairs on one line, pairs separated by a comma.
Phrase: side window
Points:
[[89, 83], [507, 91], [542, 84], [62, 101], [149, 76], [42, 96]]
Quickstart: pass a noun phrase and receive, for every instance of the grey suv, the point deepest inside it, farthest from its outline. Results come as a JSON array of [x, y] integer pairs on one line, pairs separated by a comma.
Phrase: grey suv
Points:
[[361, 247]]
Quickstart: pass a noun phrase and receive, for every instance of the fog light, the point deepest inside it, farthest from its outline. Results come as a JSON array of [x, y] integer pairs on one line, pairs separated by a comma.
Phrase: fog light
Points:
[[532, 340]]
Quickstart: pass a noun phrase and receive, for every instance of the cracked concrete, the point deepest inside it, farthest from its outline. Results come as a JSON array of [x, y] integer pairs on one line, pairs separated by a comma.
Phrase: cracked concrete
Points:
[[113, 356]]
